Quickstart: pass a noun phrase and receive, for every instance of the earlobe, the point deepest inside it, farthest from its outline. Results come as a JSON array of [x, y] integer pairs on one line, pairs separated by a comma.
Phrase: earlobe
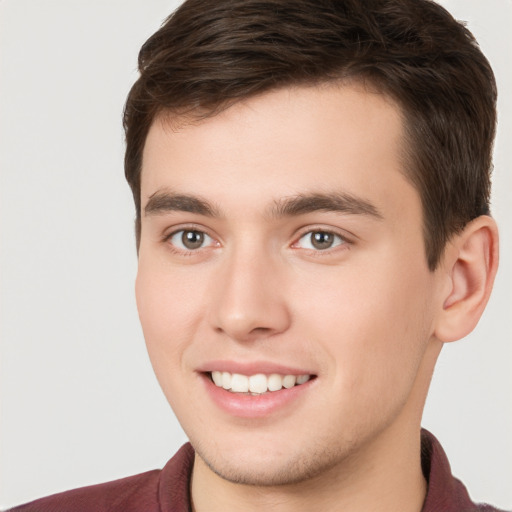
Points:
[[471, 262]]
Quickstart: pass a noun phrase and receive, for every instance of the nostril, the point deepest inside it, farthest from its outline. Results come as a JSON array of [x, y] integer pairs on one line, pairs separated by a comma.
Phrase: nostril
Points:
[[261, 330]]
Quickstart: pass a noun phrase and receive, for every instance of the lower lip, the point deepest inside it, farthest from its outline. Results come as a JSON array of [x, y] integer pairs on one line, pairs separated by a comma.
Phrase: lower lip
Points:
[[255, 406]]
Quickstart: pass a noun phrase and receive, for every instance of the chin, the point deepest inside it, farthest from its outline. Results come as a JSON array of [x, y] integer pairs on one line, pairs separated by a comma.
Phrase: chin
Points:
[[273, 468]]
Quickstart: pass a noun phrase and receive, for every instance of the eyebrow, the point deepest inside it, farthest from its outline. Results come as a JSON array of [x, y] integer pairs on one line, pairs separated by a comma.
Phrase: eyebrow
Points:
[[162, 202], [330, 202]]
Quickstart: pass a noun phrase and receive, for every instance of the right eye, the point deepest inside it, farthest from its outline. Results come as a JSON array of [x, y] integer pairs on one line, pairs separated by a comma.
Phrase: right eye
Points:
[[190, 239], [320, 240]]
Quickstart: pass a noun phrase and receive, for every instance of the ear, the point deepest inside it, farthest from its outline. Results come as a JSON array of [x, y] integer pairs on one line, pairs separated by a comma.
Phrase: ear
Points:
[[469, 266]]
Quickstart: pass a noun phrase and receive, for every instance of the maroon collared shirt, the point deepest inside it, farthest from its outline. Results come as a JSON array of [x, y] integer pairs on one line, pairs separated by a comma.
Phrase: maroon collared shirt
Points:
[[167, 490]]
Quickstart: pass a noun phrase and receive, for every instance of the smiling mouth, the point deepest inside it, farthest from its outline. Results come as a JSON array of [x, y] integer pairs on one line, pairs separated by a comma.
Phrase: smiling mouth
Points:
[[257, 384]]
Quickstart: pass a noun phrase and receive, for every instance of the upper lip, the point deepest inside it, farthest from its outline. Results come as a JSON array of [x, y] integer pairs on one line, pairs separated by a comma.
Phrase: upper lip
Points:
[[252, 368]]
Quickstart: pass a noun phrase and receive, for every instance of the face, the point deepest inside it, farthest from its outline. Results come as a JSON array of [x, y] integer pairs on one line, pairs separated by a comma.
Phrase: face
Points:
[[283, 287]]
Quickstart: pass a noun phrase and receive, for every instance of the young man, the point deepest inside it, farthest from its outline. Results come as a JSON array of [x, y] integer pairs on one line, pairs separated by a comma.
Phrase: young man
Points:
[[311, 181]]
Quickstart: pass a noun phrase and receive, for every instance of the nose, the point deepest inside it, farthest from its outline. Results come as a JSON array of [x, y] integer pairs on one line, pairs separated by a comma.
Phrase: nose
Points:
[[250, 299]]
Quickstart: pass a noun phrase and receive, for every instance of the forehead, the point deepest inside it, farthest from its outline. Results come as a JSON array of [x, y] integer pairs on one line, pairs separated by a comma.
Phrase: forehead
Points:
[[285, 142]]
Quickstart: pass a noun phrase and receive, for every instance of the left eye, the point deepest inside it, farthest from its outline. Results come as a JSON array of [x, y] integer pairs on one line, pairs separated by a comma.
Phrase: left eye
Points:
[[319, 240], [189, 239]]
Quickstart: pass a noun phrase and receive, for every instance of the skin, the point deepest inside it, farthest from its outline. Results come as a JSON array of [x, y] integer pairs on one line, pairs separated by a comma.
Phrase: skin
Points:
[[366, 316]]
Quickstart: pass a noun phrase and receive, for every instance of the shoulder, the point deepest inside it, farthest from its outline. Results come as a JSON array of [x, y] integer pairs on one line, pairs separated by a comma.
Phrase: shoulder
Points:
[[138, 492], [152, 491], [482, 507], [445, 492]]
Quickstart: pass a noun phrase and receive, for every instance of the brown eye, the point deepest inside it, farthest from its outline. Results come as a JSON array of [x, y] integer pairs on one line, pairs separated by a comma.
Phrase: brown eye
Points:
[[189, 239], [192, 239], [320, 240]]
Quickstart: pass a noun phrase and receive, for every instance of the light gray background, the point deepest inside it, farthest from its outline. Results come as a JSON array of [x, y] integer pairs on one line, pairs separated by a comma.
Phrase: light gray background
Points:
[[79, 401]]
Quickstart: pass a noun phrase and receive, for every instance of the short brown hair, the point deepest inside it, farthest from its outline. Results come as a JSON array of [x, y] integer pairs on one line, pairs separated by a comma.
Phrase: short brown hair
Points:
[[211, 53]]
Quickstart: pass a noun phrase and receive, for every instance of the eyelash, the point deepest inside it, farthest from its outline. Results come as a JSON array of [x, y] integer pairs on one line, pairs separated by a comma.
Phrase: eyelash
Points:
[[187, 229], [344, 242]]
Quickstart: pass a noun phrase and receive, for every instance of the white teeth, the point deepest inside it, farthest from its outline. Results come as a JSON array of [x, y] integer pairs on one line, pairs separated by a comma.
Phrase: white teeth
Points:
[[289, 381], [275, 382], [302, 379], [217, 378], [226, 380], [258, 383], [239, 383]]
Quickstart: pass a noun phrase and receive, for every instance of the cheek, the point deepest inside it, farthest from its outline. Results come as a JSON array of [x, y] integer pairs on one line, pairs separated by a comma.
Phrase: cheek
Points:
[[166, 307], [373, 324]]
